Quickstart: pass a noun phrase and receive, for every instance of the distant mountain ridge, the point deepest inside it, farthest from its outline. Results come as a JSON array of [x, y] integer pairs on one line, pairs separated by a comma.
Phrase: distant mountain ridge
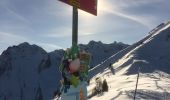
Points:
[[28, 72], [100, 51]]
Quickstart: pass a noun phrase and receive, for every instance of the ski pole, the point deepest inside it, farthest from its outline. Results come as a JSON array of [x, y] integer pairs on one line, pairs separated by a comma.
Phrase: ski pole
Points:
[[136, 84]]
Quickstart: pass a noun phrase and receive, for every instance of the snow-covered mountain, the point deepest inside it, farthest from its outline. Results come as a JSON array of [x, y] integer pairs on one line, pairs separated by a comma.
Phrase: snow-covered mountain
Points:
[[152, 55], [27, 72]]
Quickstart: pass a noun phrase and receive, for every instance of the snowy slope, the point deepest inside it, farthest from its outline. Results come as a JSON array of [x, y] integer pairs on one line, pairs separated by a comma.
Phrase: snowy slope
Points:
[[152, 55], [152, 86], [154, 46]]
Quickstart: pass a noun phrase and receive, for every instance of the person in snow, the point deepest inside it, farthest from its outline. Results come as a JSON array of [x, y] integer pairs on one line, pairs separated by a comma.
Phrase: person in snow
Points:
[[112, 69], [98, 87]]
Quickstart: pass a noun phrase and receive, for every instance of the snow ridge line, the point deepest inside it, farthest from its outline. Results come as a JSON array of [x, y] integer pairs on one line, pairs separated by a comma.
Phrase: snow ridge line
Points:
[[103, 65]]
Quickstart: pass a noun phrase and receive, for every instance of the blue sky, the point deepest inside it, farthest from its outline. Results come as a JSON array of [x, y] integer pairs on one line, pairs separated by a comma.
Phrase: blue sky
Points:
[[48, 23]]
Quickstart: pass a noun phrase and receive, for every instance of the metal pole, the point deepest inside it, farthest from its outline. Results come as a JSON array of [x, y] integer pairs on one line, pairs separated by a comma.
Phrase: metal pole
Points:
[[75, 26], [136, 84]]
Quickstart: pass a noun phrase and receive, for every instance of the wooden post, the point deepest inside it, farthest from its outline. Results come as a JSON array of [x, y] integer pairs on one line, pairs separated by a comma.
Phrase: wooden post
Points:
[[75, 26]]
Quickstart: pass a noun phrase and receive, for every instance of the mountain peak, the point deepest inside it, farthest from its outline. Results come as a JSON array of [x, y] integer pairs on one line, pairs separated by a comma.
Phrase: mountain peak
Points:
[[24, 44], [23, 48]]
